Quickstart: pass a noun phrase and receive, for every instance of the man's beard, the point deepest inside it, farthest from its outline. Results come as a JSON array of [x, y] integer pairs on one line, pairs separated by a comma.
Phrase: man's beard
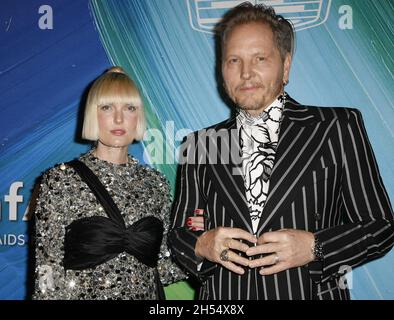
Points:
[[254, 105], [260, 102], [248, 106]]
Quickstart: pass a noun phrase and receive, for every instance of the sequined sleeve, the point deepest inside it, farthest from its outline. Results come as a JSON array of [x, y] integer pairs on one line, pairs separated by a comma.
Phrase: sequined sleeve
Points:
[[169, 271], [49, 230]]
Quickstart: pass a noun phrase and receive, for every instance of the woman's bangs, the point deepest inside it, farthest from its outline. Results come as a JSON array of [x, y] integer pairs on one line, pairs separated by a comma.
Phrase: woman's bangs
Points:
[[118, 92]]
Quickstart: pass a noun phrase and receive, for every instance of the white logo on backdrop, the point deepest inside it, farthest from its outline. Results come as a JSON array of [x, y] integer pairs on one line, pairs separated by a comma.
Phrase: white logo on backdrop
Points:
[[205, 14]]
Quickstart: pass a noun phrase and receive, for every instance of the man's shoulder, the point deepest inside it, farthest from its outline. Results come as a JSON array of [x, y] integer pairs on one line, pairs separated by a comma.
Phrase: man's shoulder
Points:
[[330, 112], [323, 113]]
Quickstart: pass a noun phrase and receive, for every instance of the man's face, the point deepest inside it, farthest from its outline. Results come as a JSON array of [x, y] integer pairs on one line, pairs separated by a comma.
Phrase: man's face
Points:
[[253, 70]]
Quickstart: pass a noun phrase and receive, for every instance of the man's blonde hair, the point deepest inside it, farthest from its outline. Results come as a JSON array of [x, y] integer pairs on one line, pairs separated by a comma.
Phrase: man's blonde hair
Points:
[[114, 86], [246, 12]]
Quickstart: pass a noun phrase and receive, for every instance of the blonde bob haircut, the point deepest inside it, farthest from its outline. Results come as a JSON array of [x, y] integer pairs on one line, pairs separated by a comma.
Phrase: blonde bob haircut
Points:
[[113, 87]]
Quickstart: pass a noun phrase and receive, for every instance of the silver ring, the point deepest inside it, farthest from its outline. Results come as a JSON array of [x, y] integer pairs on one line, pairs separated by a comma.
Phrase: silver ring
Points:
[[276, 258], [224, 255]]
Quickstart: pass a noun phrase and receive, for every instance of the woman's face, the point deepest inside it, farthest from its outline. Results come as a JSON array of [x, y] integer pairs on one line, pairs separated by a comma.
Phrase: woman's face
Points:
[[117, 124]]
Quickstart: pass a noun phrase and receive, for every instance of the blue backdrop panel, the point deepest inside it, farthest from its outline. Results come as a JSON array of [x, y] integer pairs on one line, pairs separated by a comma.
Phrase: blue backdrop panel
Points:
[[43, 74]]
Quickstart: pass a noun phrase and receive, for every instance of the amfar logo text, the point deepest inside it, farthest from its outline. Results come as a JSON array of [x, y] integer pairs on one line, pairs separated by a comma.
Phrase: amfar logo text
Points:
[[12, 198]]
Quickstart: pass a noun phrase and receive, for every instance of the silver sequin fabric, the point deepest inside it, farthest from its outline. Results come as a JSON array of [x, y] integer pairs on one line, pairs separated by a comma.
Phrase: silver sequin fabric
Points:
[[138, 191]]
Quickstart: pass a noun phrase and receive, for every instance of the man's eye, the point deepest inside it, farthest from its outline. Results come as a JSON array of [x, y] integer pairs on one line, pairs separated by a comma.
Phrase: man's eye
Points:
[[260, 58], [233, 61]]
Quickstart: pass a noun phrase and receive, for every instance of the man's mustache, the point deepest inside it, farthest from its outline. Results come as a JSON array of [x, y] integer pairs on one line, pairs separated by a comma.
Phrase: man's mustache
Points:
[[249, 85]]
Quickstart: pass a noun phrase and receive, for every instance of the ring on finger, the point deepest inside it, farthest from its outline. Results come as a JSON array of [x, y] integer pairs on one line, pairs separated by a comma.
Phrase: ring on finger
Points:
[[224, 255]]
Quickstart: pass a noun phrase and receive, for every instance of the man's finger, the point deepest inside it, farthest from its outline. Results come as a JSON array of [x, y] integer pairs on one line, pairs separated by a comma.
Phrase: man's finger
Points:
[[263, 248], [268, 237], [233, 267], [272, 270], [237, 245], [270, 260], [234, 257], [237, 233]]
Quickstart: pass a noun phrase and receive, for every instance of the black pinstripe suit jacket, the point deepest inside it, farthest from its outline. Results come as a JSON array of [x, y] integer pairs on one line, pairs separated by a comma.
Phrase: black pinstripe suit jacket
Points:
[[325, 180]]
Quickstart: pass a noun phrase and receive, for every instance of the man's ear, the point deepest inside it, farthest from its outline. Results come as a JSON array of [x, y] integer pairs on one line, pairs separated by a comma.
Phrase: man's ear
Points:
[[286, 68]]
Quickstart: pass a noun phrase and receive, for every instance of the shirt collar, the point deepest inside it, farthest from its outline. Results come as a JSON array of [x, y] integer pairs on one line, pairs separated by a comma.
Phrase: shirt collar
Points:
[[271, 116]]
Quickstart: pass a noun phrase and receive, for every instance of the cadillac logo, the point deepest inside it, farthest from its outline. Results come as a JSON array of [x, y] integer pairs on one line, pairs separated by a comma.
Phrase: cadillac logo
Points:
[[205, 14]]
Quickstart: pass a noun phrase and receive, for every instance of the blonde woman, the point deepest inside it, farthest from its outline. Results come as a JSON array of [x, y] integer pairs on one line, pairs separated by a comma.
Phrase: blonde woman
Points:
[[102, 220]]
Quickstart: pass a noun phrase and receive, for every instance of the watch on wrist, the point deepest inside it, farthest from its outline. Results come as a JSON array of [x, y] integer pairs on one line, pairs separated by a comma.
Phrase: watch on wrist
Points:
[[317, 250]]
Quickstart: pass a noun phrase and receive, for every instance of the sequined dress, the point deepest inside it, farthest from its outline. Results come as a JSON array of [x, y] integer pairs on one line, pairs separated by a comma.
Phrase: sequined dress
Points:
[[138, 191]]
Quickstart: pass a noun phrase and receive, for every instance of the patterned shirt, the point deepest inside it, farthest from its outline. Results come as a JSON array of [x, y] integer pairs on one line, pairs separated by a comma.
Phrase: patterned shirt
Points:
[[258, 141]]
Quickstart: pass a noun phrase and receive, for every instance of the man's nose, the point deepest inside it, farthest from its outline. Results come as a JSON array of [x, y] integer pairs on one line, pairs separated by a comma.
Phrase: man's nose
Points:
[[246, 71]]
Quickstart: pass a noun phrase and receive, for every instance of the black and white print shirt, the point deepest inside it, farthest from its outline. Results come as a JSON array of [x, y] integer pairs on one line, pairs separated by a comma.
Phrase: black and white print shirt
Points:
[[258, 142]]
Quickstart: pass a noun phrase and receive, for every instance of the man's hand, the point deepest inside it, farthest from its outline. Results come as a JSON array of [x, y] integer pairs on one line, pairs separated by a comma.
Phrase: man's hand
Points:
[[283, 249], [212, 243]]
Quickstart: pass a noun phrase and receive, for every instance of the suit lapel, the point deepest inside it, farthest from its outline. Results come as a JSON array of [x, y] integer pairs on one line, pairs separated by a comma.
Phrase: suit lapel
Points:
[[228, 179], [296, 136]]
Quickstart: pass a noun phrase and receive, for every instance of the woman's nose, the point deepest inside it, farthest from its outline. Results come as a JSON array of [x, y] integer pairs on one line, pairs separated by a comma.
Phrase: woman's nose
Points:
[[118, 116]]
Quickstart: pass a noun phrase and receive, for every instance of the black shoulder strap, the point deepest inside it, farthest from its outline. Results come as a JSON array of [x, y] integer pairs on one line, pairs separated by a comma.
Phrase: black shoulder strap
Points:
[[99, 191]]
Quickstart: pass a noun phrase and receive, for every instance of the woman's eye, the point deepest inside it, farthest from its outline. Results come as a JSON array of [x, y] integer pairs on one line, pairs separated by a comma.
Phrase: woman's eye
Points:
[[105, 107], [131, 108]]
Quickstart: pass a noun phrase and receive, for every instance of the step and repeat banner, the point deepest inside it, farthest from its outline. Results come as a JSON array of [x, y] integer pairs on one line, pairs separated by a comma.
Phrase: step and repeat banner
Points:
[[50, 51]]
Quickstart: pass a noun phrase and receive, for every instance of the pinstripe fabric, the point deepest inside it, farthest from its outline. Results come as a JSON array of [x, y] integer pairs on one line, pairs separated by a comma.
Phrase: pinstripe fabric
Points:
[[325, 180]]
